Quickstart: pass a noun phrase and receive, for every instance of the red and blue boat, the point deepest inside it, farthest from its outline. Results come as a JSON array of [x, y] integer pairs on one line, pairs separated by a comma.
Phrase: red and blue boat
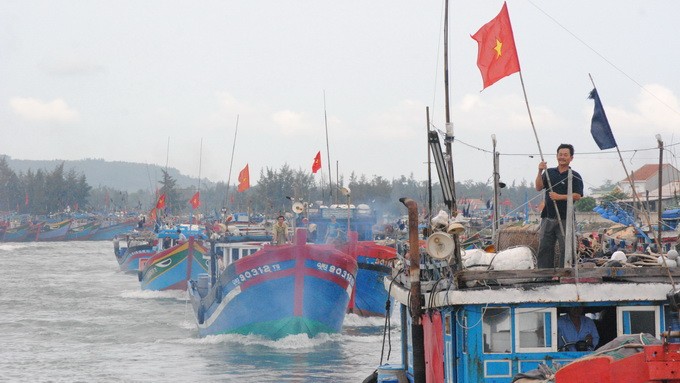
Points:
[[297, 288], [374, 263], [172, 268]]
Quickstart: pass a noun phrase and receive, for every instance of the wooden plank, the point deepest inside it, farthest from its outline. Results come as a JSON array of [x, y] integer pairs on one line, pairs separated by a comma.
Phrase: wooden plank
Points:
[[599, 272]]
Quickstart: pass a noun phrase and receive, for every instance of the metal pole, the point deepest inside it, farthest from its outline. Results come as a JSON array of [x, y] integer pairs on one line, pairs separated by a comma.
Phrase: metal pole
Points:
[[659, 209], [415, 303], [495, 188]]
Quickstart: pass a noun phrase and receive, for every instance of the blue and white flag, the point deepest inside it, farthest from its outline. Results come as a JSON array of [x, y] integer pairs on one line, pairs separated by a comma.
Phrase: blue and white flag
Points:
[[599, 127]]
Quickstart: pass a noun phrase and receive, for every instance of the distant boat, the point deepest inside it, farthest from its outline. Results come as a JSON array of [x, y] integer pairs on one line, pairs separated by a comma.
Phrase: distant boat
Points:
[[17, 233], [54, 231], [277, 291], [107, 231], [82, 232], [138, 247]]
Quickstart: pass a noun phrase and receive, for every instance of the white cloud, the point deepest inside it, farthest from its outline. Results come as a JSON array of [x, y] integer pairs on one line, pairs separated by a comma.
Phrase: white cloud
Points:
[[35, 110], [292, 123]]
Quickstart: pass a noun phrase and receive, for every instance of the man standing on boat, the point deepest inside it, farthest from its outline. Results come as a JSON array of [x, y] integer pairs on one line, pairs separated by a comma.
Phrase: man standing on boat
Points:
[[550, 230], [280, 231]]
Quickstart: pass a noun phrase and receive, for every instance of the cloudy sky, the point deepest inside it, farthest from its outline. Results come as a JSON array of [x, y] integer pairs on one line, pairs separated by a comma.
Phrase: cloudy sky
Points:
[[118, 80]]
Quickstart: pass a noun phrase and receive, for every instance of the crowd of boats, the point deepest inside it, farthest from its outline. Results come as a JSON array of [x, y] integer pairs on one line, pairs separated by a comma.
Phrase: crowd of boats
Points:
[[65, 228], [240, 282]]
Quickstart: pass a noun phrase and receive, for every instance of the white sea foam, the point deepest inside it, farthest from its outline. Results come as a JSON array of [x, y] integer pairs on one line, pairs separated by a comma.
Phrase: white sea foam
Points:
[[149, 294]]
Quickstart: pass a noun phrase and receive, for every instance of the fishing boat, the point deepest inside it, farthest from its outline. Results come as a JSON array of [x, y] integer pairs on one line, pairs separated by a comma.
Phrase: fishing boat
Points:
[[179, 260], [110, 229], [17, 233], [373, 265], [296, 288], [476, 316], [82, 231], [138, 246], [54, 231], [354, 238]]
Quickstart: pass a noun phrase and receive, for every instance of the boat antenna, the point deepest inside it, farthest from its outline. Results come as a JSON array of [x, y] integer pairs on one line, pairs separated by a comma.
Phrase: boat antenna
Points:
[[328, 151], [231, 162]]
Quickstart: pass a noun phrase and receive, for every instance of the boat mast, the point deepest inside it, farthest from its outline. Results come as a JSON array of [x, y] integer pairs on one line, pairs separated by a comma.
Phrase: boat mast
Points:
[[496, 178], [659, 222], [328, 151], [231, 162]]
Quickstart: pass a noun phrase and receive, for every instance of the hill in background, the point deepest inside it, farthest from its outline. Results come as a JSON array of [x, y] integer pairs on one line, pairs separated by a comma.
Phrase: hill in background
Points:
[[123, 176]]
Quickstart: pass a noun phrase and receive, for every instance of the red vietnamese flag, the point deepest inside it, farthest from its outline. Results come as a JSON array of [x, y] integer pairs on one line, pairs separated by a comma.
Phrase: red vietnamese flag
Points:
[[26, 199], [317, 163], [152, 214], [244, 179], [160, 204], [497, 55], [195, 201]]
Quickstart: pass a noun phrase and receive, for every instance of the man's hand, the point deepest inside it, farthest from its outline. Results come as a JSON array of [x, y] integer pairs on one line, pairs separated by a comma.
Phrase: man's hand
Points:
[[542, 166]]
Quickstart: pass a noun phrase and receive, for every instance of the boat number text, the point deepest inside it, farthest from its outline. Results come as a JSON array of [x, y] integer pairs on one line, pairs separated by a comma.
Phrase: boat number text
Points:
[[340, 272], [254, 272]]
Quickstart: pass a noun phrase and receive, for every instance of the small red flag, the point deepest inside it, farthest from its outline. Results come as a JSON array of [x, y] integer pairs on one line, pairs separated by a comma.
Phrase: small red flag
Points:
[[317, 163], [244, 179], [497, 54], [160, 204], [152, 214], [195, 201], [26, 199]]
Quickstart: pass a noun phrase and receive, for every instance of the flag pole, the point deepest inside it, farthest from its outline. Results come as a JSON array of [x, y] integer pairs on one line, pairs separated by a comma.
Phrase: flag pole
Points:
[[636, 198], [540, 152]]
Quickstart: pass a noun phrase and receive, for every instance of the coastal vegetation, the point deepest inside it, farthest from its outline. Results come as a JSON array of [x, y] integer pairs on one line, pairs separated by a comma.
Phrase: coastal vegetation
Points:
[[44, 191]]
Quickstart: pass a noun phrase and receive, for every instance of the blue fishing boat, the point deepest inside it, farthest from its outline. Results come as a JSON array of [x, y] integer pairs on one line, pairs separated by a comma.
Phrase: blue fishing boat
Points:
[[172, 267], [82, 231], [17, 233], [373, 265], [110, 229], [54, 231], [498, 324], [277, 291], [137, 247]]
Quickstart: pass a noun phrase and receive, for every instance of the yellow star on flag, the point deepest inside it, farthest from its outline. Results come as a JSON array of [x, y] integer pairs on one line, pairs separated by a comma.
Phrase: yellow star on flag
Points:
[[498, 47]]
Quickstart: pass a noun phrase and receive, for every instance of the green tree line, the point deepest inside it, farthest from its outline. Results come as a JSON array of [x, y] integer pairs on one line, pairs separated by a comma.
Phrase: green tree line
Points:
[[45, 192]]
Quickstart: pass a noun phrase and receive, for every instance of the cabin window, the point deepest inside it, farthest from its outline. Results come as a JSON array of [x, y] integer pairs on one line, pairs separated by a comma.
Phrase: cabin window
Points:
[[638, 319], [535, 329], [496, 328], [234, 255]]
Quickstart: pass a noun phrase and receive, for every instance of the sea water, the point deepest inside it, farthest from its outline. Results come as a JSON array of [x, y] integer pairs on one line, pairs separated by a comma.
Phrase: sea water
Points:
[[67, 314]]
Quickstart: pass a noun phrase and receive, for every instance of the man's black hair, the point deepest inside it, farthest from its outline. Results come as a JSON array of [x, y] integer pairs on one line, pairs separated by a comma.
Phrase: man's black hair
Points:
[[566, 146]]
